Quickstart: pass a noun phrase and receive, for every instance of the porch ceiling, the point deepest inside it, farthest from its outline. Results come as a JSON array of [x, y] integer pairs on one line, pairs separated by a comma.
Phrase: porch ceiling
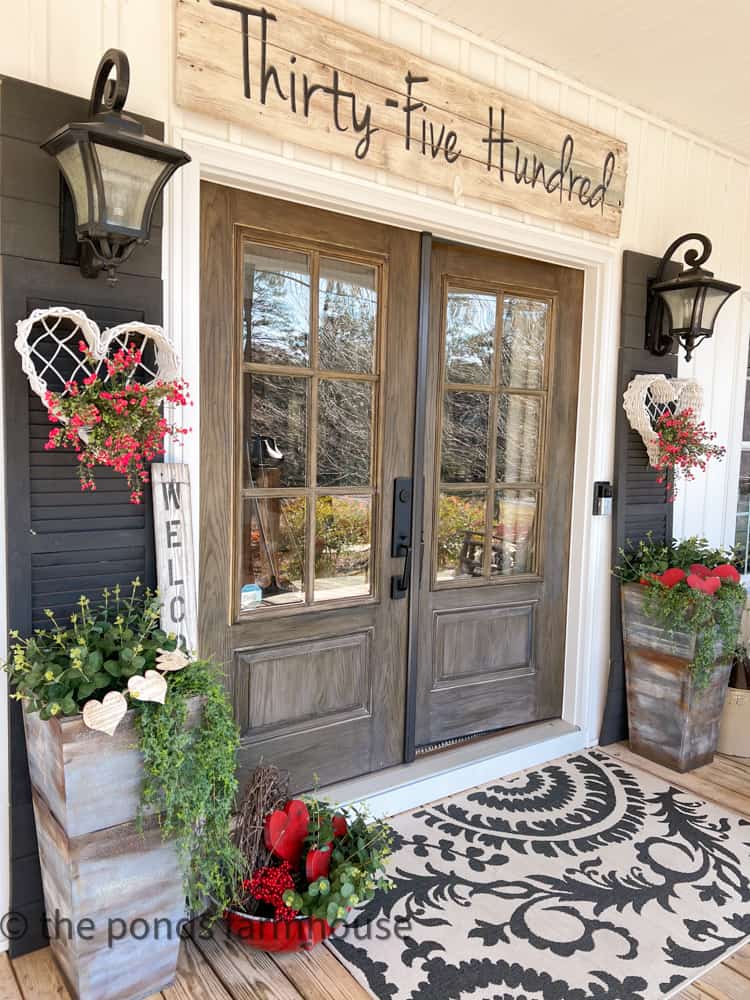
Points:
[[683, 60]]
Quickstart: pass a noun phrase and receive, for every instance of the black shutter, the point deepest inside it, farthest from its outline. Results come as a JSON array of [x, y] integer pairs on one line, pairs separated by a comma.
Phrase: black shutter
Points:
[[640, 502], [61, 543]]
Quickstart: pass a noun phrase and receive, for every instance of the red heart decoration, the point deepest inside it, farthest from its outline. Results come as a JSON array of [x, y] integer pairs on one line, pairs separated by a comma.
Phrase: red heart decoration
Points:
[[339, 826], [318, 863], [698, 569], [284, 831], [708, 585], [671, 577], [727, 572]]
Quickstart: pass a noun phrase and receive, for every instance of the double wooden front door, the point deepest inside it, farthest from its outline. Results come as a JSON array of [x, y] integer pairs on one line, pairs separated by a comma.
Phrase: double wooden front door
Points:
[[309, 329]]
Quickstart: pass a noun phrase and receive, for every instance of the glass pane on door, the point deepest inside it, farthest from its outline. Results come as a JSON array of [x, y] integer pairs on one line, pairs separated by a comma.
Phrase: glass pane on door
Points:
[[491, 436], [307, 415]]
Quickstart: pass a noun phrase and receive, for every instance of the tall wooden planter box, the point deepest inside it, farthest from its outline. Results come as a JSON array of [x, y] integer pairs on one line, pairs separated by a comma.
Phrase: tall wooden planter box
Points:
[[671, 722], [114, 896]]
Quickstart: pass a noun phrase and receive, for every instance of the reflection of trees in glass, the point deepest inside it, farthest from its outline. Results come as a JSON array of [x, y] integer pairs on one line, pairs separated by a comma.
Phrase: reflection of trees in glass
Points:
[[344, 433], [469, 337], [517, 438], [457, 514], [524, 336], [342, 535], [464, 437], [277, 408], [347, 319], [277, 304]]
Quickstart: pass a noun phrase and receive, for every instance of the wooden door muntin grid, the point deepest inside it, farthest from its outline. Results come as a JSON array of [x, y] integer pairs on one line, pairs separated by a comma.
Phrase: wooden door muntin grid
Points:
[[315, 251], [492, 486]]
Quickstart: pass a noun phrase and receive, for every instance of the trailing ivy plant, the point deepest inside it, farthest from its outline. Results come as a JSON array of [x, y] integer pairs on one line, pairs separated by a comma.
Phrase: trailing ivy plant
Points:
[[190, 782], [189, 772], [689, 587]]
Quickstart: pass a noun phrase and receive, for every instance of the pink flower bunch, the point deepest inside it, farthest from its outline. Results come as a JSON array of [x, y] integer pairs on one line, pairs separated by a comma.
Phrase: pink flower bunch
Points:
[[113, 420], [685, 444]]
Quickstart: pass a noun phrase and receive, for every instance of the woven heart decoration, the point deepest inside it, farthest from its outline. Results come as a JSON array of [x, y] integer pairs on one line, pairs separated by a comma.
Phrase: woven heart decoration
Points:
[[648, 397], [107, 714], [48, 342], [152, 686]]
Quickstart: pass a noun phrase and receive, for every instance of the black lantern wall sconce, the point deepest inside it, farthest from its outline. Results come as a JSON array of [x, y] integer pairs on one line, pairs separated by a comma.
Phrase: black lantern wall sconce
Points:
[[114, 171], [684, 308]]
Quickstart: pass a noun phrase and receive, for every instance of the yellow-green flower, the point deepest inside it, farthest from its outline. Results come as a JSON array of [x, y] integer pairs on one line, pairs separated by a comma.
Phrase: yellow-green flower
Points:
[[54, 708], [49, 675]]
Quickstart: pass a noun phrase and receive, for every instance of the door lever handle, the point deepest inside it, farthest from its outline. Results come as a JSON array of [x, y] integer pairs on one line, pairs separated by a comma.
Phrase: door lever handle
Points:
[[400, 584]]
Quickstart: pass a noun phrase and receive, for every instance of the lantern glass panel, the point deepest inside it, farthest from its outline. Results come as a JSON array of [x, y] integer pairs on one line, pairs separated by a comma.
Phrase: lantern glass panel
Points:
[[679, 301], [714, 300], [71, 164], [127, 179]]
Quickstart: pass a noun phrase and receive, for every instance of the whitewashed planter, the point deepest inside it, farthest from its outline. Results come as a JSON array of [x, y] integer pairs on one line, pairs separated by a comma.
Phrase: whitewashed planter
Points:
[[734, 732], [670, 720], [97, 868]]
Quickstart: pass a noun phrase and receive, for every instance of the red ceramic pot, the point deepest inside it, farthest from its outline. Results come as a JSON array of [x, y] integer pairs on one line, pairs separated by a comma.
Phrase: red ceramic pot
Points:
[[266, 934]]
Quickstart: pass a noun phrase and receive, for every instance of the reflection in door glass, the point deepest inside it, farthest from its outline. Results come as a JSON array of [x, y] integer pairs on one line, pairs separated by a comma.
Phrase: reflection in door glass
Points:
[[275, 430], [272, 571], [513, 532], [518, 421], [276, 306], [524, 342], [344, 432], [469, 336], [465, 435], [348, 305], [343, 531], [461, 523]]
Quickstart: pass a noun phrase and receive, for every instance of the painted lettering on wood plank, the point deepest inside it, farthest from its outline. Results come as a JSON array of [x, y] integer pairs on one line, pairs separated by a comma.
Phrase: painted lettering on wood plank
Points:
[[175, 564], [302, 77]]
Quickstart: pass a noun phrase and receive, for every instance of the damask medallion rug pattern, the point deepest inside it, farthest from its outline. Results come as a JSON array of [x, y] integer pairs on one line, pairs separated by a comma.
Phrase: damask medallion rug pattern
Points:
[[578, 880]]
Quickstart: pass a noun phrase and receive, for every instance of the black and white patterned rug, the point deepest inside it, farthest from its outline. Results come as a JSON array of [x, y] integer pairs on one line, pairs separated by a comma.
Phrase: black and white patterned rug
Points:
[[578, 880]]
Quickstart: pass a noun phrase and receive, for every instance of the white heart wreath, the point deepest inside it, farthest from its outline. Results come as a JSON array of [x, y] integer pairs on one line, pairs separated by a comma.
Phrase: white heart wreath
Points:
[[49, 338], [649, 397]]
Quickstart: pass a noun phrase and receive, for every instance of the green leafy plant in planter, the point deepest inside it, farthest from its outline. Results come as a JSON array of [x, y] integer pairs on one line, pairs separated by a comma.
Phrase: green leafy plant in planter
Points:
[[691, 587], [189, 772]]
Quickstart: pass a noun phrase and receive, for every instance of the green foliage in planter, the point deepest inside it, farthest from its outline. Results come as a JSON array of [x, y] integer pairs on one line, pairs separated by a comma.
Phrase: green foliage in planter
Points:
[[357, 863], [190, 780], [189, 774], [677, 606], [56, 670]]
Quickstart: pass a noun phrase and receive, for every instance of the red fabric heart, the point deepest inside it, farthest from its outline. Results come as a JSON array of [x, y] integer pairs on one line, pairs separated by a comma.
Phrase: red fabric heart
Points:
[[671, 577], [317, 863], [698, 569], [339, 826], [727, 572], [284, 831], [708, 585]]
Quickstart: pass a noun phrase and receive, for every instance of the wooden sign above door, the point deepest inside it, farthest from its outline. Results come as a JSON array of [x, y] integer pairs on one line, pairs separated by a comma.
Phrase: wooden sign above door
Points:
[[289, 72]]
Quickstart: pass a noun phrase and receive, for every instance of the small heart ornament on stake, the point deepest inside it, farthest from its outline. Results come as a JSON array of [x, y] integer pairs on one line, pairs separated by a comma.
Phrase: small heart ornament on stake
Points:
[[107, 714], [174, 659], [151, 686]]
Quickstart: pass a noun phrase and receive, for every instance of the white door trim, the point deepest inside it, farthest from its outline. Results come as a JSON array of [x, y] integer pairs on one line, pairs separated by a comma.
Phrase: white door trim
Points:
[[587, 644]]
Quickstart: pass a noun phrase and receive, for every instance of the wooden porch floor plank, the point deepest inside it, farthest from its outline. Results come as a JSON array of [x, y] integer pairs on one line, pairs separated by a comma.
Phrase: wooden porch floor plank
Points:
[[244, 973], [319, 975], [724, 984], [8, 986], [38, 977], [196, 980], [740, 962], [699, 782]]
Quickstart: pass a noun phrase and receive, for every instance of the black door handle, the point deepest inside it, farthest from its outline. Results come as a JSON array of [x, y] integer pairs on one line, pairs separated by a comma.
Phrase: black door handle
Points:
[[400, 584]]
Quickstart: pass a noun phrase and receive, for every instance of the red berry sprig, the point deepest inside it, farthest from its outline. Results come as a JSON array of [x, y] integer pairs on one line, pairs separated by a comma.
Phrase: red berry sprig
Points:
[[269, 884]]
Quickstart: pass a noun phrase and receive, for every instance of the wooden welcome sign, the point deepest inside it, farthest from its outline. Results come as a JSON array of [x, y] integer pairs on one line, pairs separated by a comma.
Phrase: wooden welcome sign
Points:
[[284, 70], [175, 564]]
